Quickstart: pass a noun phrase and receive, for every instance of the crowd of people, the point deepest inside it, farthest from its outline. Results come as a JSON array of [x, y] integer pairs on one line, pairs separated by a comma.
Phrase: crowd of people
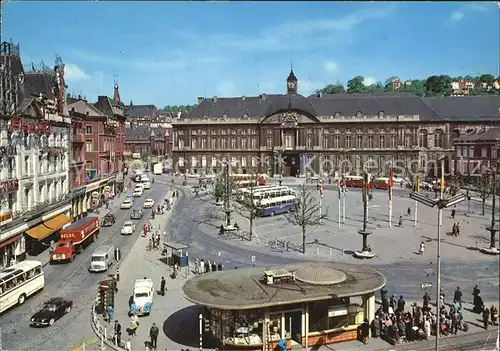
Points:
[[395, 323], [200, 266]]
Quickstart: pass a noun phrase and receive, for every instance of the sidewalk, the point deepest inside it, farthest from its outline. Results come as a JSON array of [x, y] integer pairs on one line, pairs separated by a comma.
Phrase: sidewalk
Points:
[[44, 256], [166, 310]]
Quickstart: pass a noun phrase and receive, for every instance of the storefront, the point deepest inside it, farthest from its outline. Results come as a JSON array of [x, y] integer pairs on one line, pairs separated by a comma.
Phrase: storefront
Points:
[[78, 203], [307, 304], [45, 228], [98, 192], [12, 245]]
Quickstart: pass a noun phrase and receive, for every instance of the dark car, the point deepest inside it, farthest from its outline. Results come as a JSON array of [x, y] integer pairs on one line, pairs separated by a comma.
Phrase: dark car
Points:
[[108, 220], [51, 311], [136, 213]]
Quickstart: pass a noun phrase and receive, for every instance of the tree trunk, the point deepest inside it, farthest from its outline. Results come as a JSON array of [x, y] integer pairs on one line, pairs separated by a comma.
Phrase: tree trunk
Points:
[[483, 206], [251, 228], [304, 240], [492, 239]]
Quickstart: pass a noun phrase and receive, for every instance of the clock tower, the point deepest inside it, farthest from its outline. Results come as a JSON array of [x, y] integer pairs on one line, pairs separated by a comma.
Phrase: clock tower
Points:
[[291, 83]]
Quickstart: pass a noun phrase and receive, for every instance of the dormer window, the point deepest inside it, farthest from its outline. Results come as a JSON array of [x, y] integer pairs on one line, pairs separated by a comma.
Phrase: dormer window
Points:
[[336, 115], [205, 116], [245, 115], [224, 115], [359, 114], [381, 114]]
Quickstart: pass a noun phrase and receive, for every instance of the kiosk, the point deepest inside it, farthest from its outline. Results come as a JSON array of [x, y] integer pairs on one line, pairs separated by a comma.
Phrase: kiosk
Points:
[[176, 254]]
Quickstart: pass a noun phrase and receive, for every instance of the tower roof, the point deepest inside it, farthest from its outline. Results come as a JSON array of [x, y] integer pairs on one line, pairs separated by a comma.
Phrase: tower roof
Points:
[[291, 77]]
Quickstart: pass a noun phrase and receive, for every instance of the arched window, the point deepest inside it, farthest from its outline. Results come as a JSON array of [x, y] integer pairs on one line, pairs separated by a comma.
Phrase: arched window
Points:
[[422, 138], [359, 114], [438, 138]]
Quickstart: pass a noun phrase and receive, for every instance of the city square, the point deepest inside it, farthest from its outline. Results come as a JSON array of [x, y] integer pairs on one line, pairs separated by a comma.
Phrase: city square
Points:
[[310, 180]]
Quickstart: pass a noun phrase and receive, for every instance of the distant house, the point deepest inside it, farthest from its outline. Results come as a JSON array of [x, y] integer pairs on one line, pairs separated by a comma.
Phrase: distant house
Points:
[[477, 151], [142, 114], [462, 87], [396, 83]]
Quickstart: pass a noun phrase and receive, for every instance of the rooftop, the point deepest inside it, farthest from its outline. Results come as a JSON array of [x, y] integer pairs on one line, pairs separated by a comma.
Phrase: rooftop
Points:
[[245, 289], [491, 134]]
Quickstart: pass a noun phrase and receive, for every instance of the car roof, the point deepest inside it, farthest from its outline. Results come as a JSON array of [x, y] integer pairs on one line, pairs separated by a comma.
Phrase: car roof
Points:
[[54, 301], [143, 284], [128, 222], [150, 200]]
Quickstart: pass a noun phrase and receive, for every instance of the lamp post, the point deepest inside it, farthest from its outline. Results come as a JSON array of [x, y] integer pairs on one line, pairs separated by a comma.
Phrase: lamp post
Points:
[[492, 249], [227, 189], [440, 204], [365, 251]]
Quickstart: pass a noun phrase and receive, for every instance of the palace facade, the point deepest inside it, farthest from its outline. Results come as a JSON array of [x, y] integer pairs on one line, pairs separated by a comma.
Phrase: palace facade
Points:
[[291, 134]]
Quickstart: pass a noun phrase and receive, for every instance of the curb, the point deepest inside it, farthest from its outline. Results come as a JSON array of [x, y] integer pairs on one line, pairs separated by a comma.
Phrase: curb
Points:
[[98, 333]]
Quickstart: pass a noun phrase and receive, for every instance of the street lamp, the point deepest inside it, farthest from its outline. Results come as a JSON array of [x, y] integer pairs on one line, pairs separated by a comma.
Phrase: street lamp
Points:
[[365, 251], [492, 249], [440, 204]]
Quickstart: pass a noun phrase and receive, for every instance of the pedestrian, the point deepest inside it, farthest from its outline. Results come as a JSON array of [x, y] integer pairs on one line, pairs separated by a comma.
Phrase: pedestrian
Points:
[[365, 331], [457, 296], [401, 304], [163, 283], [458, 229], [219, 267], [453, 212], [202, 266], [427, 299], [493, 315], [157, 240], [214, 267], [133, 308], [153, 335], [118, 333], [150, 244], [110, 313], [392, 303], [408, 211], [421, 248], [454, 229], [442, 296], [486, 317], [400, 221], [208, 266], [128, 345], [455, 321]]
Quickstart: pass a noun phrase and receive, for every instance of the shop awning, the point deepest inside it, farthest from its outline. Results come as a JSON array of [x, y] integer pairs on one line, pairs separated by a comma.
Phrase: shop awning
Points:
[[10, 240], [39, 232], [57, 222]]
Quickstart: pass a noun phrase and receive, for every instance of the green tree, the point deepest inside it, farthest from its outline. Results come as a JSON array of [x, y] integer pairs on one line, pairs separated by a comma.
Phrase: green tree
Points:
[[355, 85], [483, 187], [438, 85], [332, 89], [307, 214], [374, 88], [487, 78]]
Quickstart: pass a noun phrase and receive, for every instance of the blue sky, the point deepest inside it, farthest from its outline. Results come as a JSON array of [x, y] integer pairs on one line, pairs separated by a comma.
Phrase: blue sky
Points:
[[170, 53]]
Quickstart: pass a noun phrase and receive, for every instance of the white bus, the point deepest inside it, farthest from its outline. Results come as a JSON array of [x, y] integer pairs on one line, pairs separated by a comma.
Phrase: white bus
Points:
[[246, 192], [272, 193], [20, 281], [277, 205]]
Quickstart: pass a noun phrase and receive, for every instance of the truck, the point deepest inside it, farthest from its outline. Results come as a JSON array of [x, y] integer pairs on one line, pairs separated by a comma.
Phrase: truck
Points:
[[74, 239], [158, 168]]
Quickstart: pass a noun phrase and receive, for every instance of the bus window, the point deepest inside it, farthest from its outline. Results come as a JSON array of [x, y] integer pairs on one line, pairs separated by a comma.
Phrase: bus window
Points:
[[38, 270]]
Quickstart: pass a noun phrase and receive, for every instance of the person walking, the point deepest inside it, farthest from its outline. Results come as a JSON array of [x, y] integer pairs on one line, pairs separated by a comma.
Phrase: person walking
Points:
[[457, 296], [153, 335], [421, 249], [118, 333], [163, 283], [365, 331], [486, 317]]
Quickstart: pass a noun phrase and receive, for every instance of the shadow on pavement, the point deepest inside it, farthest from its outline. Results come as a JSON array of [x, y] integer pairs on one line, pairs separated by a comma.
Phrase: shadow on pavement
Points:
[[182, 327]]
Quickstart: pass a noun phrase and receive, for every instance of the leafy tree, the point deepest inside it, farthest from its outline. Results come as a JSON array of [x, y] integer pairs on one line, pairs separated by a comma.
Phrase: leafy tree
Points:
[[307, 213], [487, 78], [249, 209], [374, 88], [483, 187], [332, 89], [176, 108], [438, 85], [417, 87], [356, 85]]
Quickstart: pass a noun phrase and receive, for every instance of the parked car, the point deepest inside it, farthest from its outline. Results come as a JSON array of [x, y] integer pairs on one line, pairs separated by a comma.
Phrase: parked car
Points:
[[108, 220], [126, 204], [137, 193], [149, 203], [128, 228], [136, 213], [51, 311], [143, 295], [147, 185]]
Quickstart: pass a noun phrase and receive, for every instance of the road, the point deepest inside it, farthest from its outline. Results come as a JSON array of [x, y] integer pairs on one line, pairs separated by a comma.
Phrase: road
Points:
[[72, 281]]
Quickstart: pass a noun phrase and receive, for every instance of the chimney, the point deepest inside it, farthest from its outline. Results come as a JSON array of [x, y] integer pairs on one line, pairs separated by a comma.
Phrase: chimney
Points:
[[243, 97], [200, 99], [263, 96], [214, 99]]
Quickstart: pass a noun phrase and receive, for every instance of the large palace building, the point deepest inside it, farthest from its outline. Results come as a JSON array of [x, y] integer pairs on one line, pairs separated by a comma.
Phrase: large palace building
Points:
[[290, 134]]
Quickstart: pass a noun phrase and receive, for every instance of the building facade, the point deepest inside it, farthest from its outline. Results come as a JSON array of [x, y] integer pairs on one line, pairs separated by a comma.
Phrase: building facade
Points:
[[146, 140], [477, 152], [97, 144], [35, 143], [292, 135]]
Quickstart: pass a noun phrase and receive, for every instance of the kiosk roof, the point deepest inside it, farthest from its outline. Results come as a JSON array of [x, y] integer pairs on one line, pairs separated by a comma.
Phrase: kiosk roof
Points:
[[244, 288]]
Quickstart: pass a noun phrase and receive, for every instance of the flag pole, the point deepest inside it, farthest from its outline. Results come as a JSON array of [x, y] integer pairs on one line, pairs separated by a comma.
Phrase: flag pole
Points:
[[441, 188], [338, 186], [343, 198], [320, 199], [417, 189], [390, 195]]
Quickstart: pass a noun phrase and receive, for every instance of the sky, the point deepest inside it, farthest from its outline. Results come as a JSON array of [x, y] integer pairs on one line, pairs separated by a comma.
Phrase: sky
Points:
[[169, 53]]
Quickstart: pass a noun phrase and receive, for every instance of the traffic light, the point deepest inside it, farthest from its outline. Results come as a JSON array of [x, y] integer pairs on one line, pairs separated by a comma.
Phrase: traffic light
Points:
[[206, 324], [100, 305]]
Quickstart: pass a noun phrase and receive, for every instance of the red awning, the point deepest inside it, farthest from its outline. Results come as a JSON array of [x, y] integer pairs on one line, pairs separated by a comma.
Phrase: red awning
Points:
[[10, 240]]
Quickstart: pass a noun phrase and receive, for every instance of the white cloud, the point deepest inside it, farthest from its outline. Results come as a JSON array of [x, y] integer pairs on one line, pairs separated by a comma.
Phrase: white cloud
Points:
[[297, 35], [307, 87], [331, 67], [369, 81], [74, 73], [457, 16]]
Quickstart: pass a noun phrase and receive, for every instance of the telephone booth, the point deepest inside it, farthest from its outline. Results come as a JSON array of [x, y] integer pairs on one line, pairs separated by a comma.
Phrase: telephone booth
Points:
[[176, 254]]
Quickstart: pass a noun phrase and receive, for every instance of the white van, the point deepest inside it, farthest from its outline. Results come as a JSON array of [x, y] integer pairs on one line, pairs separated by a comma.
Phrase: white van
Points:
[[144, 292], [101, 259]]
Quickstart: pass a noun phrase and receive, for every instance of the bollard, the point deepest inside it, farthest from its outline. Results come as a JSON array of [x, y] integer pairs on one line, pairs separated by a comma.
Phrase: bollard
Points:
[[115, 340], [331, 251], [317, 250], [200, 317]]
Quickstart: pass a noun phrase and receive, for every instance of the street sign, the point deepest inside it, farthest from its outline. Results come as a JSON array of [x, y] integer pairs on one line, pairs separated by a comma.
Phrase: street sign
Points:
[[426, 286]]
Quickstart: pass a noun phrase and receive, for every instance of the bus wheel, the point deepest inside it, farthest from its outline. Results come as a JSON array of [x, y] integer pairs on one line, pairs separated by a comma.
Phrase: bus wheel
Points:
[[21, 299]]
